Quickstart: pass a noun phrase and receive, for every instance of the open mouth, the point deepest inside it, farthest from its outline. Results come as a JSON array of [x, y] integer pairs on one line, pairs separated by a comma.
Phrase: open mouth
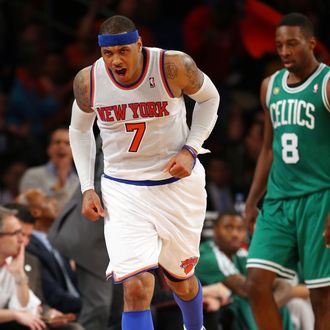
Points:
[[121, 72], [61, 155]]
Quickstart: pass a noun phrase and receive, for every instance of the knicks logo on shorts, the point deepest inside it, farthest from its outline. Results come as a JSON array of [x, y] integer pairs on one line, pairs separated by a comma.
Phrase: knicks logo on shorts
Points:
[[189, 264]]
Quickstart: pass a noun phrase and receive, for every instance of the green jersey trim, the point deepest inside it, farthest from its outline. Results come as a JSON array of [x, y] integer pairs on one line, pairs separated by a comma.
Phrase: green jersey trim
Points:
[[324, 91], [272, 266], [226, 266], [318, 283], [304, 85]]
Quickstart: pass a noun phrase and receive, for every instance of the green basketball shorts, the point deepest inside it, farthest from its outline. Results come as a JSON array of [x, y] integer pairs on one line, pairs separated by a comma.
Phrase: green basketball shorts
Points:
[[291, 230]]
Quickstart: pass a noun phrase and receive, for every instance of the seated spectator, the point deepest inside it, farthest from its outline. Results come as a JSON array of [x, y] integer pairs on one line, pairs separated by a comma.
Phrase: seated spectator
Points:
[[18, 304], [58, 279], [32, 268], [57, 178], [218, 185], [223, 260], [83, 241]]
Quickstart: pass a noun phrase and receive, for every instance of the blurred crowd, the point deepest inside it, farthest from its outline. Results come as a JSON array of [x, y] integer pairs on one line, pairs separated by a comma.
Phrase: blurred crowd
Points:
[[44, 43]]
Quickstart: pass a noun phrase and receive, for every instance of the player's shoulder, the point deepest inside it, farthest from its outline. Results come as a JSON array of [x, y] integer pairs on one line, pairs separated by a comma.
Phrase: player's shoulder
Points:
[[265, 83], [179, 58], [83, 75], [180, 66], [81, 87]]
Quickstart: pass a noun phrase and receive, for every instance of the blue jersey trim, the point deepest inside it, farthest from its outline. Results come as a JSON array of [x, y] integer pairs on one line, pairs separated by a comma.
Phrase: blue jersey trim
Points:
[[143, 182], [130, 276]]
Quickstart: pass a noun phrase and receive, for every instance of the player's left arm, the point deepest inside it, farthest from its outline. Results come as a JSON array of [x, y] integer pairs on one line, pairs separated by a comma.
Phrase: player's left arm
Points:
[[184, 77]]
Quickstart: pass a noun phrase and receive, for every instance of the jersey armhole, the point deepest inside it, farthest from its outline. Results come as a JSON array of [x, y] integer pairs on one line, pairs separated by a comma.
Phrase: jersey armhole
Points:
[[92, 86], [162, 73], [324, 91]]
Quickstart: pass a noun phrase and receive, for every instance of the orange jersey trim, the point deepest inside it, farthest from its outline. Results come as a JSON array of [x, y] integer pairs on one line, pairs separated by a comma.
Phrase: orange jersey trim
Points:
[[92, 86]]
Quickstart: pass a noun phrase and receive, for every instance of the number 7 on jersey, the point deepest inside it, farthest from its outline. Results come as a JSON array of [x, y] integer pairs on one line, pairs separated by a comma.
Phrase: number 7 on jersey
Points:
[[139, 129]]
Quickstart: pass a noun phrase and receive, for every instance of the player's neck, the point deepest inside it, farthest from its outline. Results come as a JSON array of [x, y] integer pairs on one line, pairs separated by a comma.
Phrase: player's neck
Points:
[[304, 74]]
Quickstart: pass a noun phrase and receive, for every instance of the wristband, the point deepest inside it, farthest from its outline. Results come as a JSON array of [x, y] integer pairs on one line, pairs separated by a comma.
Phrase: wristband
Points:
[[191, 151]]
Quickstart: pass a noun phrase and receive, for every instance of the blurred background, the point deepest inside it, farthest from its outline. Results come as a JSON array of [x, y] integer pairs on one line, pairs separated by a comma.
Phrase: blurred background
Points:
[[44, 43]]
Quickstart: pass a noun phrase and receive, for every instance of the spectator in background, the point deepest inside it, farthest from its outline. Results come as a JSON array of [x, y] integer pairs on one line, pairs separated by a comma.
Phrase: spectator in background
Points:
[[214, 26], [57, 178], [57, 80], [84, 50], [33, 268], [9, 181], [224, 260], [243, 156], [32, 263], [83, 241], [218, 185], [18, 304], [30, 102], [58, 279]]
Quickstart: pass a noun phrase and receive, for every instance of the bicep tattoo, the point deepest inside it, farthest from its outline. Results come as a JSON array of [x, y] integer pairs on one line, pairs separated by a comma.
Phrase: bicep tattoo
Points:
[[81, 89], [171, 70], [194, 76]]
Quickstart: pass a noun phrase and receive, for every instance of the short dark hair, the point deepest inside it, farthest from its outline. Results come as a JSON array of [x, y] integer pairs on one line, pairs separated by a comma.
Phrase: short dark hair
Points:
[[117, 24], [22, 212], [226, 213], [297, 19]]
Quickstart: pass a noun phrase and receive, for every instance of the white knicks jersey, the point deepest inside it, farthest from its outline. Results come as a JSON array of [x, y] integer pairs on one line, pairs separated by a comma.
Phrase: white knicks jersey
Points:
[[141, 125]]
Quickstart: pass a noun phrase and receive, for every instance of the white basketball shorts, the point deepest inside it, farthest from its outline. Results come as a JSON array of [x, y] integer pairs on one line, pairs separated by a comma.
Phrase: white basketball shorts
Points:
[[148, 226]]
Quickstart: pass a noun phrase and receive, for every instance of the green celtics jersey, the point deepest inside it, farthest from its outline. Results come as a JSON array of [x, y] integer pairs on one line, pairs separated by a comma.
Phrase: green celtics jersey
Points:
[[214, 266], [301, 143]]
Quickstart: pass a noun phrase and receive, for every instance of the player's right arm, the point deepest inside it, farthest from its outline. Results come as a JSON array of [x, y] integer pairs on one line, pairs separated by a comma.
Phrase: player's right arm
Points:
[[82, 143], [259, 183]]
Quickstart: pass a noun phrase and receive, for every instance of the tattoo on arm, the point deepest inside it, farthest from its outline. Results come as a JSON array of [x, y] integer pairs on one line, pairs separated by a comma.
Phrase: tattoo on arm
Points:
[[81, 89], [192, 72], [171, 70]]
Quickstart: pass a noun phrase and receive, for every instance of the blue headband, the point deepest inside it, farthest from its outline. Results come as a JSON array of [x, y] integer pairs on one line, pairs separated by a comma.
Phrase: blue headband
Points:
[[106, 40]]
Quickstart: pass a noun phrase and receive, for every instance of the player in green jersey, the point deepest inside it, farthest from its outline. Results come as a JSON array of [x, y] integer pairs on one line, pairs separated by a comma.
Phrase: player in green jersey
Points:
[[294, 171]]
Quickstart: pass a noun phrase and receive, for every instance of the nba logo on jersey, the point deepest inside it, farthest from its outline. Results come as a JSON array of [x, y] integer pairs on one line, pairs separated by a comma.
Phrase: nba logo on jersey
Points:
[[152, 82], [315, 88]]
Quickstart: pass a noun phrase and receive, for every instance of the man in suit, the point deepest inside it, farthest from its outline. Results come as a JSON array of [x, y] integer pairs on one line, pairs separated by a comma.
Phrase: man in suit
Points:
[[58, 279], [83, 241]]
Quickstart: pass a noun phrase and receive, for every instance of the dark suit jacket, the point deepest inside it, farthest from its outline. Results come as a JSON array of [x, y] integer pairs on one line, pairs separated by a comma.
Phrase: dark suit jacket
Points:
[[32, 268], [53, 281], [79, 238]]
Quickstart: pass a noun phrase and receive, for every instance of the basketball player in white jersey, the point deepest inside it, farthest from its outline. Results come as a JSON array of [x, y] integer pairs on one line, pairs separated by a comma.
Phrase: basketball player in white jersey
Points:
[[153, 184]]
